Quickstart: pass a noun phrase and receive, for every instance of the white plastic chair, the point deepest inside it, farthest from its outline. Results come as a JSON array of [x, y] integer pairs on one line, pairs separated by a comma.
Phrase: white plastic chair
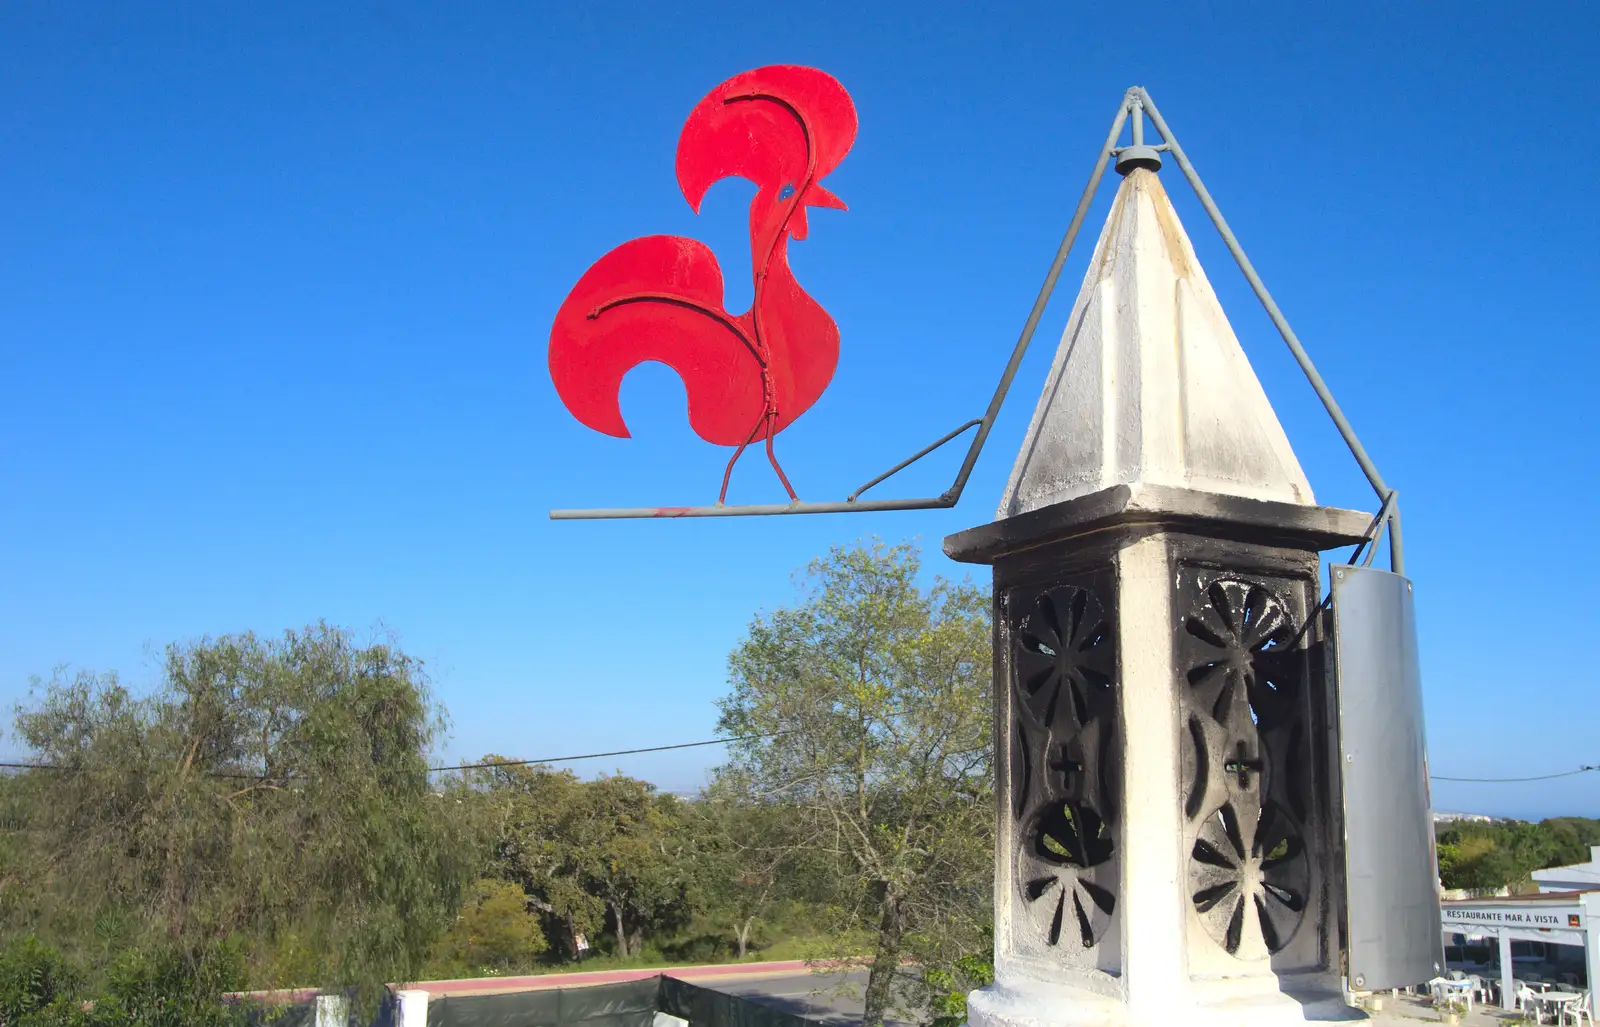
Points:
[[1449, 990], [1529, 1005], [1577, 1013]]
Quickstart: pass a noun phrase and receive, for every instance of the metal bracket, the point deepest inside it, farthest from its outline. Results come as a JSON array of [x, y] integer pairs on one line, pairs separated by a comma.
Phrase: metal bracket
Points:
[[1137, 103]]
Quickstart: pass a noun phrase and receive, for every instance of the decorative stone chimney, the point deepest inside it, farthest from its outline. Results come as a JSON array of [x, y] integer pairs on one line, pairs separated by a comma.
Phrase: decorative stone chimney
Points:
[[1168, 844]]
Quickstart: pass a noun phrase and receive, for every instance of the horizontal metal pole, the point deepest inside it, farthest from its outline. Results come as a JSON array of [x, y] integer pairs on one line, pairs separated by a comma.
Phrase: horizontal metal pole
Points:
[[755, 510]]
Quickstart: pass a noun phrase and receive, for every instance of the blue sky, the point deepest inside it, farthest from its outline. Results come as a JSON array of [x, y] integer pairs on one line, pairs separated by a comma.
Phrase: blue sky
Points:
[[276, 282]]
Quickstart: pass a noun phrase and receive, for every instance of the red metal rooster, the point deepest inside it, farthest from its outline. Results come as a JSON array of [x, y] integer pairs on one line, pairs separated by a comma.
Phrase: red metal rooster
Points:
[[747, 376]]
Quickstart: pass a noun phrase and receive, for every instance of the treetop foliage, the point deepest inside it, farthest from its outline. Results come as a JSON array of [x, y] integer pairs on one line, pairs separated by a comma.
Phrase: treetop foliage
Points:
[[608, 854], [1485, 857], [270, 792], [264, 818], [866, 709]]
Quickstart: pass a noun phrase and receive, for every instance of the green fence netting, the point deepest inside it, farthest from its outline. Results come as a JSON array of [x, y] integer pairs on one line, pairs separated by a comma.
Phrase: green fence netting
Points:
[[707, 1007], [623, 1004]]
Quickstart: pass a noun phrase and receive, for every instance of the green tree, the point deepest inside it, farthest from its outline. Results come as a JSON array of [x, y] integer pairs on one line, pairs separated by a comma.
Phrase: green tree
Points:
[[607, 854], [633, 856], [14, 882], [948, 987], [1571, 838], [746, 857], [1488, 856], [520, 815], [1449, 856], [494, 931], [270, 793], [1472, 860], [869, 707]]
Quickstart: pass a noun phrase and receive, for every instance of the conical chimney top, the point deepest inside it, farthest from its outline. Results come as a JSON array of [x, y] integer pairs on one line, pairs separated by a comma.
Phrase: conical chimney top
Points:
[[1149, 384]]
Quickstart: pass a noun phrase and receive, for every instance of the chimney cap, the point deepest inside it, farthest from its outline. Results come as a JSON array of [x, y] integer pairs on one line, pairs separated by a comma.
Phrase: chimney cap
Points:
[[1132, 158]]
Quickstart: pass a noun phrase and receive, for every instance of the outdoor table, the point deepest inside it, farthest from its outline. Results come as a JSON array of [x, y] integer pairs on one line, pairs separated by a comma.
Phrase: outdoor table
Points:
[[1461, 989], [1557, 1001]]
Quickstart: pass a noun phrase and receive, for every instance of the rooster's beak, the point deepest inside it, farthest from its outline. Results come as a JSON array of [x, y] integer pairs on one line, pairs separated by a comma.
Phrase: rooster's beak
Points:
[[817, 196]]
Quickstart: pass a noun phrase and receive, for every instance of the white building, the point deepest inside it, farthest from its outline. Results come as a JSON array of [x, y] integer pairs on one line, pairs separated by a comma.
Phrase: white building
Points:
[[1533, 924], [1443, 817], [1577, 877]]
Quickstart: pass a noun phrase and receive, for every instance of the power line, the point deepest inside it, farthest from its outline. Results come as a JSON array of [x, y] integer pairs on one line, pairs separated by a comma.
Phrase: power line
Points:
[[741, 738], [469, 766], [601, 755], [1510, 780]]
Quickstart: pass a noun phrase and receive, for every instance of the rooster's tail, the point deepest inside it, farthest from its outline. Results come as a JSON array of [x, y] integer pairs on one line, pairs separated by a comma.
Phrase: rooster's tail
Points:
[[657, 298]]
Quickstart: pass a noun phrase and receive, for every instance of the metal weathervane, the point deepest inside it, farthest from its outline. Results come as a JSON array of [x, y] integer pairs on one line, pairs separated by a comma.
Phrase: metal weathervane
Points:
[[749, 376]]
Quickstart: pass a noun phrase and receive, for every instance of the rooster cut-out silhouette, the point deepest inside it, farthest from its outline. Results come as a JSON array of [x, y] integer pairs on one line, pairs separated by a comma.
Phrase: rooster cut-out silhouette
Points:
[[747, 376]]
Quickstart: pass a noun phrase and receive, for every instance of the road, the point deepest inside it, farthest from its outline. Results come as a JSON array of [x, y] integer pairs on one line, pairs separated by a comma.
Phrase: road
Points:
[[831, 998]]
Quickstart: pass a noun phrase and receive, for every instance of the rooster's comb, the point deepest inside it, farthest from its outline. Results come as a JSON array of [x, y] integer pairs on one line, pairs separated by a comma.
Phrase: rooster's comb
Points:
[[779, 125]]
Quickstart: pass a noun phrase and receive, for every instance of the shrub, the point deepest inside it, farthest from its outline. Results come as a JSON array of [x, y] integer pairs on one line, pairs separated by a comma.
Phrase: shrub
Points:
[[495, 931], [171, 988], [33, 977]]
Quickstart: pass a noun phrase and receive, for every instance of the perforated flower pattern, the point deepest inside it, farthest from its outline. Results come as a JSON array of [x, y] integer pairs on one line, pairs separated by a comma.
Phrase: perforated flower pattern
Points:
[[1065, 842], [1249, 869], [1065, 658], [1244, 663], [1064, 763]]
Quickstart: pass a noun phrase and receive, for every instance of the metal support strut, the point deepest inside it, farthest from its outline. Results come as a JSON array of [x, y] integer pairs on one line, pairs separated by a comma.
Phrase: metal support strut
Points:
[[1386, 495], [1136, 103]]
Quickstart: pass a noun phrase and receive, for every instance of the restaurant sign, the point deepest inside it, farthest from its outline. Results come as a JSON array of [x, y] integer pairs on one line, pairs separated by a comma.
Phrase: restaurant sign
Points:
[[1556, 917]]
